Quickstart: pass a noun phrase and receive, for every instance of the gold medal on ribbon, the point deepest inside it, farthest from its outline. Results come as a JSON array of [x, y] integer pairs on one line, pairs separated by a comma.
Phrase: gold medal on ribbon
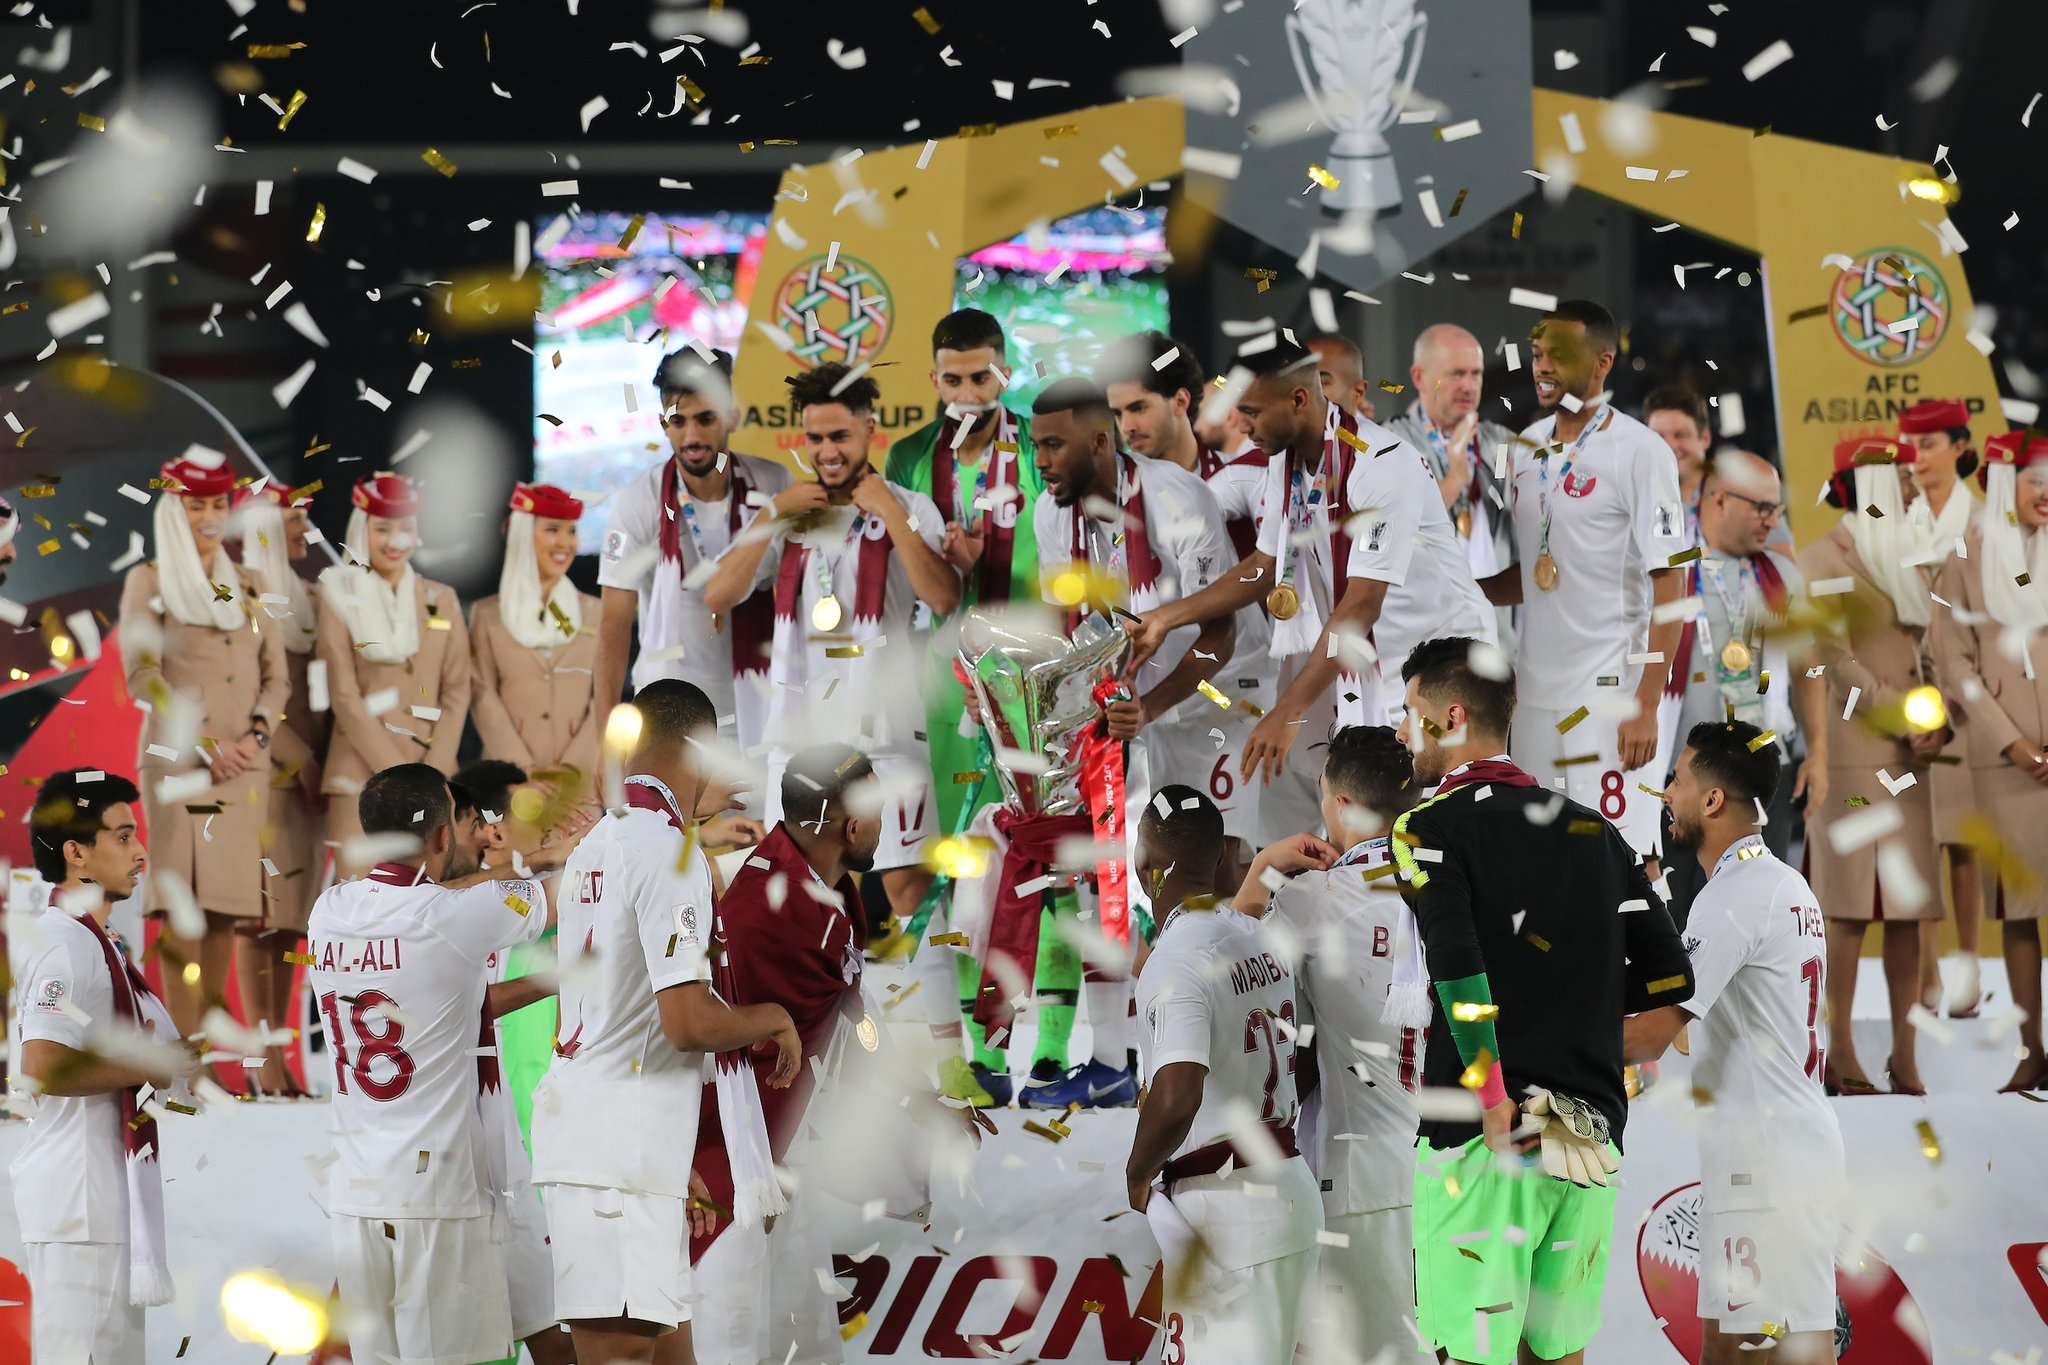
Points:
[[1546, 573], [869, 1033], [827, 614], [1283, 602], [1735, 657], [1465, 523]]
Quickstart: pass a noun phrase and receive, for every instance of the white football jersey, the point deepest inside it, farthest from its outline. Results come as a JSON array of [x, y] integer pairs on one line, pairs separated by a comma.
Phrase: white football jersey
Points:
[[1402, 536], [398, 974], [619, 1104], [1614, 516], [1338, 930], [1215, 992], [1184, 529], [1759, 965]]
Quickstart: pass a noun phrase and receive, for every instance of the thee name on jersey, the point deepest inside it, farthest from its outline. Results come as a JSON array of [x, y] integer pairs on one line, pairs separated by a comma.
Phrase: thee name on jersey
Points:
[[1255, 972], [1811, 923], [354, 955]]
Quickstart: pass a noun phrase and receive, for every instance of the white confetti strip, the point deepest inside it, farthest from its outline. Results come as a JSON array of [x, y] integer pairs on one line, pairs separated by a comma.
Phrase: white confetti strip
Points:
[[1770, 59]]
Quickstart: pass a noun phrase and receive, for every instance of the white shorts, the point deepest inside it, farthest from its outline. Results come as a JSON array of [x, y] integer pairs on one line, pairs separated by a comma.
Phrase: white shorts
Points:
[[1188, 752], [421, 1291], [529, 1268], [1366, 1289], [1768, 1265], [1598, 782], [619, 1254], [1251, 1317], [730, 1323], [78, 1304], [909, 817]]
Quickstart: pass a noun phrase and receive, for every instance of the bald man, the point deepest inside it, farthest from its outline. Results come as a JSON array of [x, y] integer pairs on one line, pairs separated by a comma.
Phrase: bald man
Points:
[[1448, 372], [1340, 367], [1749, 595]]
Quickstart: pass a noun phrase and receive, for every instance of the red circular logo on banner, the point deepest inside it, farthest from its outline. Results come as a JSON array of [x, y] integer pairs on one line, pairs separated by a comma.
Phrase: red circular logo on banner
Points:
[[1884, 1325], [833, 309]]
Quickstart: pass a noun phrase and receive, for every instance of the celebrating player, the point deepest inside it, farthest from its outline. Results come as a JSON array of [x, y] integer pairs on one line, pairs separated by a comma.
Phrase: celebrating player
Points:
[[1218, 1116], [91, 1151], [1597, 520], [398, 973], [1770, 1149], [666, 528], [637, 1016], [1347, 933], [1533, 976]]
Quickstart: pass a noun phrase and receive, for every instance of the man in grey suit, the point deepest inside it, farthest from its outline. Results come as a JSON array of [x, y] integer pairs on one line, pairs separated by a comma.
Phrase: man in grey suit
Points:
[[1467, 453]]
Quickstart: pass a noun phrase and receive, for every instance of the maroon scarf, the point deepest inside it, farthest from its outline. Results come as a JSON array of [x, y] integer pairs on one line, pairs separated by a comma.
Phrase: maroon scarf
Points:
[[138, 1128], [1776, 600], [1139, 560], [1001, 461], [1244, 531], [753, 621], [1498, 771], [1013, 919], [871, 576]]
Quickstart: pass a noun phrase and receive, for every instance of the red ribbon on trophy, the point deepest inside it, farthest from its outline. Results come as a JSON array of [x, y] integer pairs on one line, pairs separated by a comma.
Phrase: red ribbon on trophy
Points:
[[1102, 787]]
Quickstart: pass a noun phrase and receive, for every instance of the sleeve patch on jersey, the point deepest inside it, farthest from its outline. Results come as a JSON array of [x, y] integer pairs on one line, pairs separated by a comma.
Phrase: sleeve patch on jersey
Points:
[[50, 997]]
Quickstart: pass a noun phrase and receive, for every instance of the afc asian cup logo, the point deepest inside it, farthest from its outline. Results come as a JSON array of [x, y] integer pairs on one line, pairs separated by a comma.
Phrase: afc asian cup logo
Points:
[[833, 310], [1890, 308]]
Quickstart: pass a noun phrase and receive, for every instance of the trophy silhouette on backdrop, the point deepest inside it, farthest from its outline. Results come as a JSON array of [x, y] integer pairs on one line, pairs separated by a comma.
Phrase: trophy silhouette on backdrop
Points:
[[1348, 55]]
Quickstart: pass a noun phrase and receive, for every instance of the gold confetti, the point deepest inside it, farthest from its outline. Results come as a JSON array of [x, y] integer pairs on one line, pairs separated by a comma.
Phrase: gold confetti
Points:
[[977, 130], [1090, 1306], [265, 51], [49, 547], [1573, 719], [952, 940], [844, 652], [1389, 386], [1475, 1075], [693, 93], [1684, 557], [1772, 1330], [1930, 1145], [39, 490], [968, 778], [1033, 1126], [1767, 737], [1516, 230], [300, 959], [1458, 203], [298, 102], [1649, 790], [632, 231], [1585, 827], [1669, 983], [1209, 690], [851, 1328], [1472, 1011], [438, 162], [1265, 280], [1575, 760], [471, 364], [1059, 1128], [1063, 130], [518, 905], [14, 308], [925, 20], [1323, 177], [547, 417], [1348, 436], [314, 228], [1818, 310], [912, 989], [92, 121], [1538, 942]]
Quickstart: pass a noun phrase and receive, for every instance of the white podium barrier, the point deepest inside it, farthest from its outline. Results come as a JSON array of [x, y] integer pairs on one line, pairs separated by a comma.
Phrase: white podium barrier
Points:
[[1037, 1256]]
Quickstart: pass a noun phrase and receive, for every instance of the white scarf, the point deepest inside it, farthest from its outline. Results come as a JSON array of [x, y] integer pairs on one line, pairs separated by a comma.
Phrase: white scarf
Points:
[[149, 1272], [265, 554], [519, 602], [1298, 633], [383, 618], [2009, 551], [187, 592], [1940, 534], [1884, 543]]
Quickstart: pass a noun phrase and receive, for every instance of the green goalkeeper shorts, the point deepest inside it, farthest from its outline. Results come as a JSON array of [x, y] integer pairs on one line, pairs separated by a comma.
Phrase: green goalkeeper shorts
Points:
[[1504, 1254]]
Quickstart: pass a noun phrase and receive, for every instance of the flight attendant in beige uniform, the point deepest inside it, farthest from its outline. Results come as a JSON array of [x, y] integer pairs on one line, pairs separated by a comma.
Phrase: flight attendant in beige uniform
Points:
[[1872, 641], [397, 655], [535, 643], [1996, 666], [1945, 513], [211, 669], [273, 524]]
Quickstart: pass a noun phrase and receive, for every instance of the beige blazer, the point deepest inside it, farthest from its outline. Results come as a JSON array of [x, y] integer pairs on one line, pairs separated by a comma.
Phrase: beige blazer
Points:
[[211, 840], [1992, 688], [533, 706], [435, 679], [1859, 639]]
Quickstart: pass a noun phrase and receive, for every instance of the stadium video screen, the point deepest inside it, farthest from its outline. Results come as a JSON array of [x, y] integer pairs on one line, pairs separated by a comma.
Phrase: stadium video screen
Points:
[[608, 304]]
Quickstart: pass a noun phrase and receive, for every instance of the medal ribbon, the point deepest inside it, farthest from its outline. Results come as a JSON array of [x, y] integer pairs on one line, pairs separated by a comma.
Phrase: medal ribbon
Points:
[[1578, 448], [827, 572]]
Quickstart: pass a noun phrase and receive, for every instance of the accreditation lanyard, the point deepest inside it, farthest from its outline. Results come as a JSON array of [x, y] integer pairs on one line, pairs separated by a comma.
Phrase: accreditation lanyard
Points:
[[1304, 497], [1736, 610], [1577, 449]]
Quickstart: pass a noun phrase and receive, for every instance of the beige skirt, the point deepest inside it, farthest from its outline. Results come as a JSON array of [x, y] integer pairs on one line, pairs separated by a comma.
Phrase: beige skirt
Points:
[[211, 841], [1954, 791], [2017, 807], [1847, 883], [297, 848]]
